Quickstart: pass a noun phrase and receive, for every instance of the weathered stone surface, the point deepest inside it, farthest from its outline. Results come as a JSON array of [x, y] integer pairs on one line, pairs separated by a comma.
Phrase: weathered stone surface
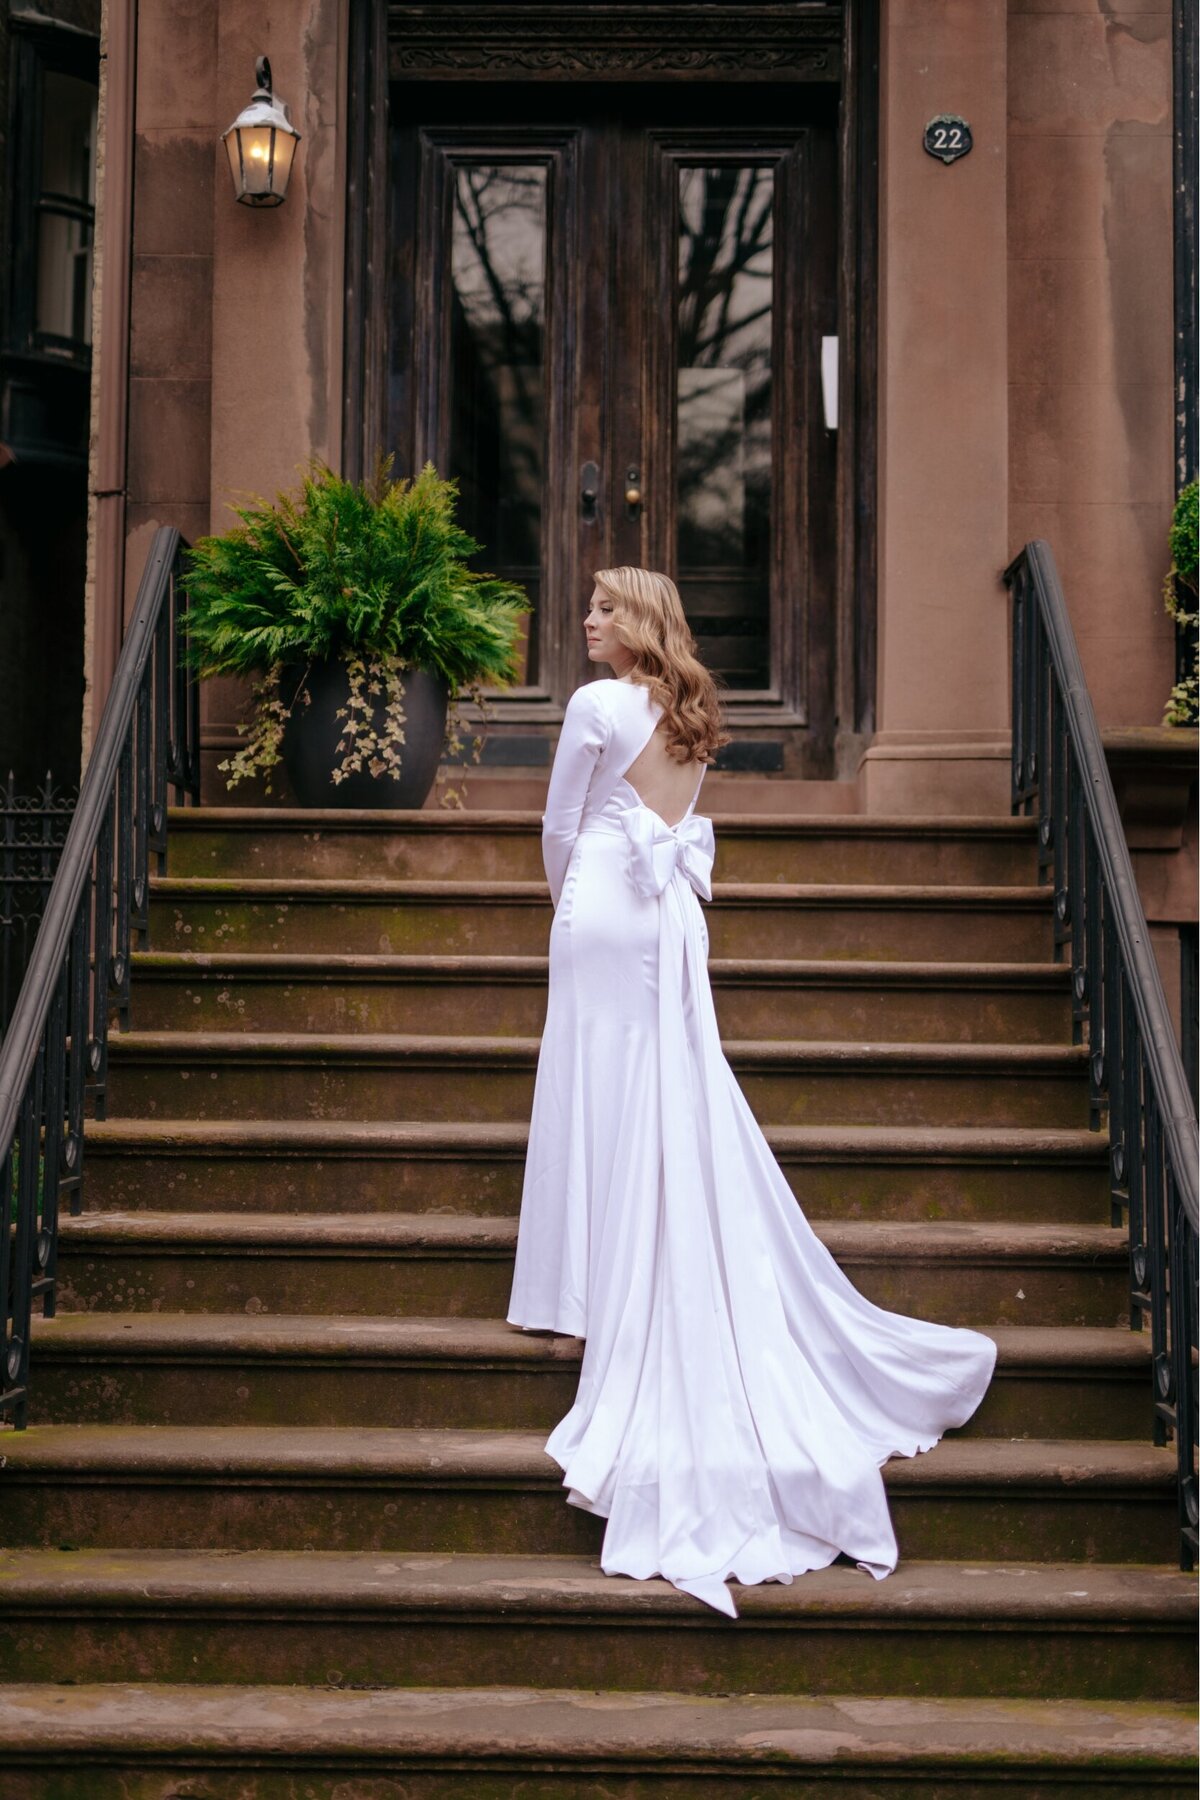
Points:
[[260, 1368], [1030, 1629], [956, 1272], [286, 1437], [771, 919], [355, 1075], [860, 1747], [277, 842], [342, 1488], [988, 1003], [354, 1165]]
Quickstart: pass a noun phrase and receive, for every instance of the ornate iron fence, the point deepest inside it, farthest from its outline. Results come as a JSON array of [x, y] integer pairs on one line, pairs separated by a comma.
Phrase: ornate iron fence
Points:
[[53, 1063], [33, 829], [1119, 1009]]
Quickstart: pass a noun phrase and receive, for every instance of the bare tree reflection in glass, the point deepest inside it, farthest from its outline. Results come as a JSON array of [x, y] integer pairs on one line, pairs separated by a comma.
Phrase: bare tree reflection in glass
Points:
[[498, 338], [723, 414]]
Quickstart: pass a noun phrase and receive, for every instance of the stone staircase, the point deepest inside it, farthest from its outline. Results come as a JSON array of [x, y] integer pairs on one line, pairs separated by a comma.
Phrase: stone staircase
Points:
[[283, 1522]]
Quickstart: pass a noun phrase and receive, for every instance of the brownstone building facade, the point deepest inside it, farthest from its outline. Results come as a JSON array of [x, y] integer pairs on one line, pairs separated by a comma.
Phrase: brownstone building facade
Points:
[[831, 308], [923, 363]]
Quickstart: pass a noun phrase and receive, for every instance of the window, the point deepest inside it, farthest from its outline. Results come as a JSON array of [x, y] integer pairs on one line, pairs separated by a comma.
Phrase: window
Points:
[[52, 176], [497, 362], [725, 320], [46, 322], [66, 211]]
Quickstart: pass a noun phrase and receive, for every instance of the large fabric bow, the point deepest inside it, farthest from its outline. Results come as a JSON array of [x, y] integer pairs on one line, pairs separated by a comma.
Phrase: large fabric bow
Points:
[[658, 849]]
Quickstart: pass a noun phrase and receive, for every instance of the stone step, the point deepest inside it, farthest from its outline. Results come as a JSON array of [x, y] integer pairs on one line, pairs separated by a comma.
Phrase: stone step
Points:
[[506, 846], [435, 1373], [489, 1743], [512, 918], [990, 1003], [302, 1075], [353, 1166], [281, 1488], [1026, 1630], [461, 1266], [521, 787]]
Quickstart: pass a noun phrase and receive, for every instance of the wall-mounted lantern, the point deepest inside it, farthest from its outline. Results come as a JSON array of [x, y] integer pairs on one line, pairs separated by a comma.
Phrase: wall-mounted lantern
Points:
[[261, 144]]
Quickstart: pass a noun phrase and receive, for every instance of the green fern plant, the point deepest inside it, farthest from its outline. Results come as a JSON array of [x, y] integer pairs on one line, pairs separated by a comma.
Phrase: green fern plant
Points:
[[373, 573], [1180, 598]]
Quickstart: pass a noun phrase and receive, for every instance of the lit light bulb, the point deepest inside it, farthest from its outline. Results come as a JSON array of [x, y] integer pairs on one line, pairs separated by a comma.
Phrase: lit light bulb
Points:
[[261, 145]]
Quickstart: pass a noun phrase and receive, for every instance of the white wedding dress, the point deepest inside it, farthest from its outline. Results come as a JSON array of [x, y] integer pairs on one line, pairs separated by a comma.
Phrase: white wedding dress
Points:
[[737, 1395]]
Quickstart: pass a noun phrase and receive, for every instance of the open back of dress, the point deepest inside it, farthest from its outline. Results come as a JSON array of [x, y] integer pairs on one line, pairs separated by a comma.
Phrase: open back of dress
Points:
[[663, 784]]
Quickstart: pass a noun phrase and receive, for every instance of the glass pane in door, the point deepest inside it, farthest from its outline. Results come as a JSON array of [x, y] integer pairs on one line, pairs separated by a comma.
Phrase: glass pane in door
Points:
[[497, 375], [724, 307]]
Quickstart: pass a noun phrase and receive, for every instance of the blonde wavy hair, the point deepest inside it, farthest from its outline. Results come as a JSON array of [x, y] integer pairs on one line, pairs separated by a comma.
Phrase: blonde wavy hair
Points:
[[649, 620]]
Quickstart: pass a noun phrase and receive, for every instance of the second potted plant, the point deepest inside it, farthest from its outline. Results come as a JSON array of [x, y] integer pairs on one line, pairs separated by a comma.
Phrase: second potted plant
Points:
[[354, 610]]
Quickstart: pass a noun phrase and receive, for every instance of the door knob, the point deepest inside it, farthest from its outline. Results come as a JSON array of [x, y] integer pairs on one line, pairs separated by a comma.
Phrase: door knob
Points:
[[633, 489], [633, 496]]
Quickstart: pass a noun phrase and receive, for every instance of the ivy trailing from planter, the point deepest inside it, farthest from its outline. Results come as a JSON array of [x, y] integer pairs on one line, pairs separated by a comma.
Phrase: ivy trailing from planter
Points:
[[1180, 596], [373, 575]]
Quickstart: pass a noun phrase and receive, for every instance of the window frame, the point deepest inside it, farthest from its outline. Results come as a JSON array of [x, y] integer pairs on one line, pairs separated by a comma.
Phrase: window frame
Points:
[[39, 47], [434, 153]]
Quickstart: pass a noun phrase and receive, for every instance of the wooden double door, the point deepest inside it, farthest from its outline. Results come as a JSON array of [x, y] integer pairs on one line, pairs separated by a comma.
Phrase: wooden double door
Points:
[[607, 307]]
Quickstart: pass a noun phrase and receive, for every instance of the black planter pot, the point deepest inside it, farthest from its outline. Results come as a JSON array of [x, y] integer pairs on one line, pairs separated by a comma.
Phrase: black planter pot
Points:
[[311, 734]]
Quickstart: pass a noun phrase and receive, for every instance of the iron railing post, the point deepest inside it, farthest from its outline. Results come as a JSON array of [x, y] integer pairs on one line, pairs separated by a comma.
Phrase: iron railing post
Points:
[[1136, 1072], [55, 1050]]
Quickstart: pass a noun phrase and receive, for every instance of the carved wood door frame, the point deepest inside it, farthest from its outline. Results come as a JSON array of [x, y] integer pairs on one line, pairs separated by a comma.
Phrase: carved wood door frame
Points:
[[741, 42]]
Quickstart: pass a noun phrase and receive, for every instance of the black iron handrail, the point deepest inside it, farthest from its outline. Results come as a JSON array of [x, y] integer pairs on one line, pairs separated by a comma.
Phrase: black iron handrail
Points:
[[54, 1058], [1116, 994]]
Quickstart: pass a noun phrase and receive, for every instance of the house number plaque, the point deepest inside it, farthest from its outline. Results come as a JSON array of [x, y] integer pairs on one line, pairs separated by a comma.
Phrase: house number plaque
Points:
[[948, 137]]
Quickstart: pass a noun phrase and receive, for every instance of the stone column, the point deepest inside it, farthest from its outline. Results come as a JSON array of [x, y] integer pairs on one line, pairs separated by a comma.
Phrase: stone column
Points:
[[277, 300], [942, 677]]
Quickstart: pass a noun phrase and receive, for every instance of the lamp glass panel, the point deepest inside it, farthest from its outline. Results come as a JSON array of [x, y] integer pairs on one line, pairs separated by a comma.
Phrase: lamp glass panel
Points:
[[235, 164], [256, 157], [285, 151]]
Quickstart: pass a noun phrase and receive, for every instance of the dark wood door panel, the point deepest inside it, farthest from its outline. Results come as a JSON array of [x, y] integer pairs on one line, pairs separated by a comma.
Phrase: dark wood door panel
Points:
[[645, 68], [603, 280]]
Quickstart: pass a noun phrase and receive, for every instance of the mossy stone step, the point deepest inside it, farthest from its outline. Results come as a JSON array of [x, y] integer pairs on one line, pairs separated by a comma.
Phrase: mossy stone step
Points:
[[342, 1488], [451, 1743], [1026, 1630], [462, 1265], [339, 1416], [986, 1003], [435, 1373], [848, 1171], [506, 918], [270, 842], [232, 1075]]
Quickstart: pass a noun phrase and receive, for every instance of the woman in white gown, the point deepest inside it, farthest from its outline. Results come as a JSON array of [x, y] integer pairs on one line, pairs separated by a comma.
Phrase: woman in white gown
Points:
[[737, 1395]]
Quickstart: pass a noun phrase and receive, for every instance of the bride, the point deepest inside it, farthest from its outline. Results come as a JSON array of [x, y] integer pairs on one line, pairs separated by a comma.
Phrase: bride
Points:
[[737, 1394]]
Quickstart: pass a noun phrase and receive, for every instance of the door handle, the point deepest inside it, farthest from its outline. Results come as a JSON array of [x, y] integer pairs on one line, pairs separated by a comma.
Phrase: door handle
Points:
[[633, 491], [589, 492]]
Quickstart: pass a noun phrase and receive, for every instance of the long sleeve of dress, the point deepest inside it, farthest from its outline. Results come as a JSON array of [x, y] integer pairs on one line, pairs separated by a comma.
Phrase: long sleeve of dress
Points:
[[584, 735]]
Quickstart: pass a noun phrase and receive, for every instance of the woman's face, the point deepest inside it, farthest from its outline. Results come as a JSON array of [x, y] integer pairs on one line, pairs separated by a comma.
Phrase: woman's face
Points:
[[600, 629]]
